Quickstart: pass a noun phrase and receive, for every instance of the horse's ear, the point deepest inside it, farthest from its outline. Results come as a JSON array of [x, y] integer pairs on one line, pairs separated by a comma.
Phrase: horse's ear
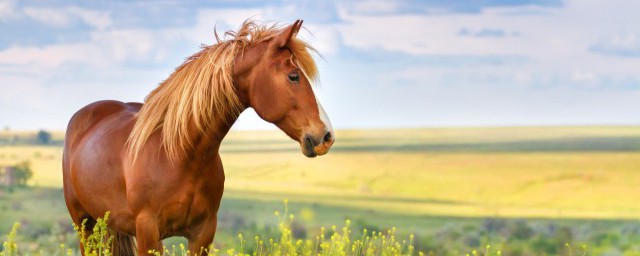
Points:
[[283, 38]]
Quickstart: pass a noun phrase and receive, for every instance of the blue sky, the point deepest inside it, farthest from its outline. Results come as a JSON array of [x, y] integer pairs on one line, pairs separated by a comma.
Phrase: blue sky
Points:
[[386, 63]]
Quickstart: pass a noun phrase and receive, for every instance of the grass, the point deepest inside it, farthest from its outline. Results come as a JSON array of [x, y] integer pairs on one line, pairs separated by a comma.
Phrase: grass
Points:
[[465, 184], [524, 172], [335, 241], [466, 172], [430, 182], [46, 162], [45, 225], [10, 247]]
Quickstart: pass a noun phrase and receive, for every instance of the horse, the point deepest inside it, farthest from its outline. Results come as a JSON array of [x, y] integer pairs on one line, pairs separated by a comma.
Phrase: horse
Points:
[[156, 168]]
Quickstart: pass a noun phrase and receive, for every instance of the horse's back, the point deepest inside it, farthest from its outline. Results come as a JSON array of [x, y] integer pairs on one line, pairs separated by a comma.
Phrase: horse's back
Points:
[[92, 160], [90, 115]]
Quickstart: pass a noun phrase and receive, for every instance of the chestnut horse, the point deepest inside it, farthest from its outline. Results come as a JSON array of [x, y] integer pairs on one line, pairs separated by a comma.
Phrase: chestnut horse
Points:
[[156, 166]]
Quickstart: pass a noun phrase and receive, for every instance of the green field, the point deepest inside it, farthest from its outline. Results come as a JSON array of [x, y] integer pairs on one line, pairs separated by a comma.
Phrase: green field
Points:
[[425, 181]]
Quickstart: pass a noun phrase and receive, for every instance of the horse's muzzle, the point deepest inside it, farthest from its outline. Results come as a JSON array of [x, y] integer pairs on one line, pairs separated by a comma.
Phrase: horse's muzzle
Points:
[[316, 146]]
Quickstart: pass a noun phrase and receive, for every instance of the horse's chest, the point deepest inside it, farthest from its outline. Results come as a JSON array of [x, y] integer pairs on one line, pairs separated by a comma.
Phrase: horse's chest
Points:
[[189, 210]]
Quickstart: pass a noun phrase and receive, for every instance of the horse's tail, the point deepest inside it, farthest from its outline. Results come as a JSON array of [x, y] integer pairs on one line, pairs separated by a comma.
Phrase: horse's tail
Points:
[[123, 244]]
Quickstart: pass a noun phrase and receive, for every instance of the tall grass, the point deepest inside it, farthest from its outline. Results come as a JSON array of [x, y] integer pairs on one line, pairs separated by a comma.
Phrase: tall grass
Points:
[[99, 242], [335, 241], [9, 247], [328, 242]]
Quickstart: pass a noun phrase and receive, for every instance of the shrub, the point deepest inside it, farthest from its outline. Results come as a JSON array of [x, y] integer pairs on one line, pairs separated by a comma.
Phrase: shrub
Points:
[[43, 137], [17, 175], [520, 230], [23, 173]]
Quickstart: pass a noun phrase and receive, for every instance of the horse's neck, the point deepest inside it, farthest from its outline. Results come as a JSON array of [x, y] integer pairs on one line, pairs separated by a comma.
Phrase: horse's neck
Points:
[[206, 144]]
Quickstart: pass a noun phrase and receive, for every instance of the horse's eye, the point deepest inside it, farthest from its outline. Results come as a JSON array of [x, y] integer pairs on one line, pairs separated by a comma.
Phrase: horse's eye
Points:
[[294, 77]]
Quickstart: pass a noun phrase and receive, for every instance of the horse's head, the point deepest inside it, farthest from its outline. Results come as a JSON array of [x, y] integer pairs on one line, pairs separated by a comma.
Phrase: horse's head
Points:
[[274, 78]]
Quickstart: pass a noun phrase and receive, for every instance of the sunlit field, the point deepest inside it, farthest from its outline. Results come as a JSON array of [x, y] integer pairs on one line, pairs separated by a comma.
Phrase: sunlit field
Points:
[[583, 172], [523, 172], [418, 180]]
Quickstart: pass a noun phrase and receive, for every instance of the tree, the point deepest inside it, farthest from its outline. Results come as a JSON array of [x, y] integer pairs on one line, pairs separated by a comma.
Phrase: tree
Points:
[[23, 173], [16, 176], [43, 137]]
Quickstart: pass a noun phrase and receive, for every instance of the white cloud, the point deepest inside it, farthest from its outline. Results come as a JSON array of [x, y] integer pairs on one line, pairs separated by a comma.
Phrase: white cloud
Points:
[[220, 19], [49, 56], [7, 9], [584, 78], [625, 45], [106, 48], [113, 46], [97, 19], [128, 44], [581, 76], [561, 31], [64, 17], [522, 78], [22, 90], [374, 7], [326, 39], [438, 34], [48, 16], [556, 41]]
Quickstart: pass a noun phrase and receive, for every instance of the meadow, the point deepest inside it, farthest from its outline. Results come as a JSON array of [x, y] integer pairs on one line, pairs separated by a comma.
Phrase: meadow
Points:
[[524, 190]]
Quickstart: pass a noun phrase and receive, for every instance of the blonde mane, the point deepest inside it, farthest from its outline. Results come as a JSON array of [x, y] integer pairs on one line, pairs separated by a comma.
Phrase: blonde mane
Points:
[[200, 94]]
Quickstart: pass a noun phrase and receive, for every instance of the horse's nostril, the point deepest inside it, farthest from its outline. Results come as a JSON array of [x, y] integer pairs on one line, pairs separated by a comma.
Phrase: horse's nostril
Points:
[[308, 143], [327, 137]]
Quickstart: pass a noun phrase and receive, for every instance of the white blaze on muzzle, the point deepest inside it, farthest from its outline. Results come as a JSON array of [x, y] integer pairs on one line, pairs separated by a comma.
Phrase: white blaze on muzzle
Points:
[[319, 145], [324, 118]]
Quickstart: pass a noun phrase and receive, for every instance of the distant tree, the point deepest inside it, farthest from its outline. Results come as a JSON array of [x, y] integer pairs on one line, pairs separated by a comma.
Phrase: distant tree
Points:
[[43, 137], [7, 128], [23, 173], [16, 176]]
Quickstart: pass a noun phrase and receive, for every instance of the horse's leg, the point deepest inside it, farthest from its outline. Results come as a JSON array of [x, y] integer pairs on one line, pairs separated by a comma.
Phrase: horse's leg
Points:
[[79, 215], [147, 234], [201, 237], [76, 211]]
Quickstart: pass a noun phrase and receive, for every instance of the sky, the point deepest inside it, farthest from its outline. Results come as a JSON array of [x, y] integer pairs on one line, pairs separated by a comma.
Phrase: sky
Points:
[[383, 64]]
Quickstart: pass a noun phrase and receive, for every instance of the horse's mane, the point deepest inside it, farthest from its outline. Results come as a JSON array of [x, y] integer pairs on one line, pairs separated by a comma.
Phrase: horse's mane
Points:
[[200, 93]]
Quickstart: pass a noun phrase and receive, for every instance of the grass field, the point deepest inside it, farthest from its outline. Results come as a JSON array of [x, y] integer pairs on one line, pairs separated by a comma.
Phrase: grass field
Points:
[[419, 180], [570, 172]]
